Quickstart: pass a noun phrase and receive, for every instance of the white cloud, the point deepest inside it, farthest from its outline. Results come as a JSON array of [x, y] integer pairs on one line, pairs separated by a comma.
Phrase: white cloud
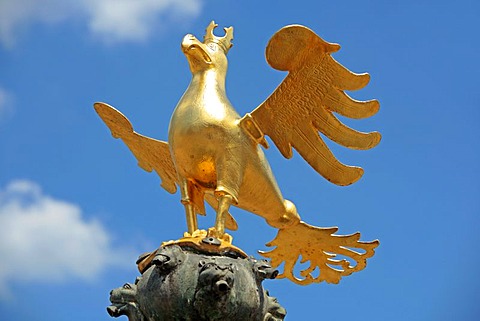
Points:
[[119, 20], [44, 239], [110, 20], [18, 15]]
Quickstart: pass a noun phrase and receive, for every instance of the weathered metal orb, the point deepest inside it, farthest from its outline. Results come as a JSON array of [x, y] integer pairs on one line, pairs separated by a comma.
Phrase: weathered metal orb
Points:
[[184, 283]]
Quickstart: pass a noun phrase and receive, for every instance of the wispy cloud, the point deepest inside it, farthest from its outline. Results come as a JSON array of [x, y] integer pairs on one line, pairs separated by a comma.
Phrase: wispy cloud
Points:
[[133, 20], [110, 20], [45, 239], [6, 107]]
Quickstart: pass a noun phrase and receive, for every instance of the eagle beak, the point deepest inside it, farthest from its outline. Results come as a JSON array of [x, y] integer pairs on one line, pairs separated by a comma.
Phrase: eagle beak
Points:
[[195, 50]]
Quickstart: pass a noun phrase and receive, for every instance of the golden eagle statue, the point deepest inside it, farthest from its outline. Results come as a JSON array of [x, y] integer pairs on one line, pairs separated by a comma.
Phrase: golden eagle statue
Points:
[[214, 155]]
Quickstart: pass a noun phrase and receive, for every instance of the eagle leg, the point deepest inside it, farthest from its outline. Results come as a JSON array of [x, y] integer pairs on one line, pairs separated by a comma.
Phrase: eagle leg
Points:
[[185, 189], [224, 202]]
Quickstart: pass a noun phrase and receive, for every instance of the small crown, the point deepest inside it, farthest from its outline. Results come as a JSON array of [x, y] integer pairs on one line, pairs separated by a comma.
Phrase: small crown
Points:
[[224, 42]]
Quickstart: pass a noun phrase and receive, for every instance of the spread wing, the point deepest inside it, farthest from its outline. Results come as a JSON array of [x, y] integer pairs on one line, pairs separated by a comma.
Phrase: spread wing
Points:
[[151, 154], [305, 102]]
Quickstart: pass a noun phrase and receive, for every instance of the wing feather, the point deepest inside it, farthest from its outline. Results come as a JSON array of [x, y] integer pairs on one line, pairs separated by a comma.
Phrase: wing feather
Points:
[[344, 78], [341, 134], [314, 150], [305, 102], [151, 154]]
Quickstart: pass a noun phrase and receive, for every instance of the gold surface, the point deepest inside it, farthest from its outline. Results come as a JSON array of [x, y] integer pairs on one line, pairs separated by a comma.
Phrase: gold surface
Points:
[[321, 247], [196, 240], [213, 154]]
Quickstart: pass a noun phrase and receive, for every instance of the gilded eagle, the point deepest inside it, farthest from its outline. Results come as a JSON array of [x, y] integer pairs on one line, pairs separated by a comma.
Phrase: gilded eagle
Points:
[[215, 155]]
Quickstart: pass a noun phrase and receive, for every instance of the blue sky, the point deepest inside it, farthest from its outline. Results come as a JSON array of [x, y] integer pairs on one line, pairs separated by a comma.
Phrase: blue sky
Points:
[[75, 210]]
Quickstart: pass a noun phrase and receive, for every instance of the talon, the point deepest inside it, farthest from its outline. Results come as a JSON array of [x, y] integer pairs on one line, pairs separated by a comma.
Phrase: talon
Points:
[[213, 232], [225, 237]]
